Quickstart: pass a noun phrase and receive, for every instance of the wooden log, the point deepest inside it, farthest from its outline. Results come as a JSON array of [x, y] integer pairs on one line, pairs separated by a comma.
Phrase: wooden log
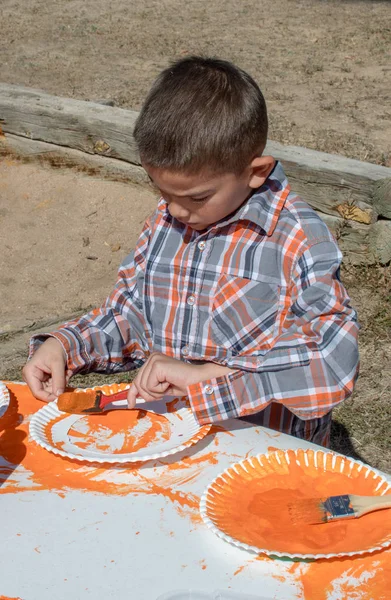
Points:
[[382, 197], [329, 183], [354, 240], [380, 241], [60, 156], [360, 243], [88, 126]]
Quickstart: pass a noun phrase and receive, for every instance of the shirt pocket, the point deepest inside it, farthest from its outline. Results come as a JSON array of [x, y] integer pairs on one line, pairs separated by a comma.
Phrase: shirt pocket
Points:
[[244, 314]]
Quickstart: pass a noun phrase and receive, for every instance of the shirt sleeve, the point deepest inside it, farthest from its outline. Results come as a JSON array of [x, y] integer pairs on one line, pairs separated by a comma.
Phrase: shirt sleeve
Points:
[[111, 338], [313, 362]]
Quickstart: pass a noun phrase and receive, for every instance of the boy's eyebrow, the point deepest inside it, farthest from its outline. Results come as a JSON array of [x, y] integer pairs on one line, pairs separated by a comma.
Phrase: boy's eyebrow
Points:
[[189, 194]]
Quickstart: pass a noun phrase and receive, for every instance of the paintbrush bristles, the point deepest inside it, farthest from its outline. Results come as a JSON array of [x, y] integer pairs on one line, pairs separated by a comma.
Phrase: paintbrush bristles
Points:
[[76, 402], [310, 511]]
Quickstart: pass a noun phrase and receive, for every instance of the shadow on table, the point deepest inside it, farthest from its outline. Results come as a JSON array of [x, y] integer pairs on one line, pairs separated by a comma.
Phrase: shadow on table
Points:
[[12, 446], [341, 442]]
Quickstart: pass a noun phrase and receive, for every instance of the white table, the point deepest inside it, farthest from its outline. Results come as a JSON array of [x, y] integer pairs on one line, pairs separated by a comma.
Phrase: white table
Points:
[[134, 543]]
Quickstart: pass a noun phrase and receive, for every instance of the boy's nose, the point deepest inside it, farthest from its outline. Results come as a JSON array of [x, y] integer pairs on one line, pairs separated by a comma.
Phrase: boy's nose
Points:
[[177, 211]]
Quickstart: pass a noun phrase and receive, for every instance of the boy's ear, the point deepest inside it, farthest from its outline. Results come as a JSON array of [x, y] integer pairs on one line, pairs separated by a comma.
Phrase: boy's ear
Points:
[[260, 169]]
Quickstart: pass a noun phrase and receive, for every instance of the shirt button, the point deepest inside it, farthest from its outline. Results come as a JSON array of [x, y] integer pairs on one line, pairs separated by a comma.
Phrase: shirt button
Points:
[[190, 300], [208, 389], [185, 350], [201, 245]]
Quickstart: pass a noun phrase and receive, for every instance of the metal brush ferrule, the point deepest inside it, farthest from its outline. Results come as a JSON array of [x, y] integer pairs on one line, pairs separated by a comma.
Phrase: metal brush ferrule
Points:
[[338, 507]]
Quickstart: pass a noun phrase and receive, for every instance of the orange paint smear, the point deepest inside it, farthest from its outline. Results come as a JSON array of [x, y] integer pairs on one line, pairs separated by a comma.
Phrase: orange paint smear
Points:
[[96, 432], [46, 471], [363, 578], [264, 492], [366, 577]]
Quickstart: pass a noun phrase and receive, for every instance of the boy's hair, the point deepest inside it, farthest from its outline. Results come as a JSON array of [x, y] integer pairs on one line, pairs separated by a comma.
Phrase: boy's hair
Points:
[[202, 114]]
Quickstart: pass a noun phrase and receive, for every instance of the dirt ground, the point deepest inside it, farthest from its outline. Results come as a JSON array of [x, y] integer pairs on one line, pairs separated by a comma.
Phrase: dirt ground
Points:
[[325, 72], [323, 65]]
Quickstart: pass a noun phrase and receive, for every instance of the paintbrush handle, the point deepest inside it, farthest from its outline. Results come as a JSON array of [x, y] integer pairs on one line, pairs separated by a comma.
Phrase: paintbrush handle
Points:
[[113, 397], [365, 504]]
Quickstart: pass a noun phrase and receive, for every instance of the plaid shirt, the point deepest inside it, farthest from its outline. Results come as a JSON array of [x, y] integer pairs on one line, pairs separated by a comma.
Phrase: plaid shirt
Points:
[[258, 292]]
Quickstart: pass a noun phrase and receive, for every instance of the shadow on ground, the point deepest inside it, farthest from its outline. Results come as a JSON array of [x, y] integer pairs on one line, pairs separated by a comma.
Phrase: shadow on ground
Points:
[[341, 442]]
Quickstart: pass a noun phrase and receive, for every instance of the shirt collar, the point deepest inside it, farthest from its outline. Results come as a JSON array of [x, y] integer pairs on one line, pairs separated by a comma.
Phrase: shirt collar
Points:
[[264, 205]]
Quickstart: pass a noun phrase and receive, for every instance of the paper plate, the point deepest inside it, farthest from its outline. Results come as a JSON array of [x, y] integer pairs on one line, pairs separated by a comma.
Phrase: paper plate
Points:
[[118, 436], [4, 399], [247, 505]]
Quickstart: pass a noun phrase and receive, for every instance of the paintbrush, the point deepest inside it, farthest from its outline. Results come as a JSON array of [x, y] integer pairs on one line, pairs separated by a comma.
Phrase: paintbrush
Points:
[[91, 401], [346, 506]]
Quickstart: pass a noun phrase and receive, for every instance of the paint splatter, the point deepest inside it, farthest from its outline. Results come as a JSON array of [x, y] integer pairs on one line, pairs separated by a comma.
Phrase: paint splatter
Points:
[[42, 470], [362, 578]]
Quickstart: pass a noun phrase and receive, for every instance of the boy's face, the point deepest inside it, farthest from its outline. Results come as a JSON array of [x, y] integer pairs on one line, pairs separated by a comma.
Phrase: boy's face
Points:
[[202, 200]]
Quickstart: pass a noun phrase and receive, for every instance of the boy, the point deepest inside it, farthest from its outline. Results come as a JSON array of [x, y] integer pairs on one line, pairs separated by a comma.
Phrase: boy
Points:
[[232, 295]]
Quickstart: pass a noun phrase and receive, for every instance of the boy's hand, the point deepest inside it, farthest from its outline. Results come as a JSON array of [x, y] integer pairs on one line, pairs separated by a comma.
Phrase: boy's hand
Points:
[[45, 373], [162, 375]]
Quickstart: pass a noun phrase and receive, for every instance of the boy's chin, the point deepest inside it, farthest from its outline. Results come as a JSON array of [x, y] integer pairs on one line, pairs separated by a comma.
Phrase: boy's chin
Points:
[[197, 226]]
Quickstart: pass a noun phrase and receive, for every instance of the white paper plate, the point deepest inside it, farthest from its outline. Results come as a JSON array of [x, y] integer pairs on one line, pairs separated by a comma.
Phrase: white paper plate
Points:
[[243, 521], [117, 436], [4, 399]]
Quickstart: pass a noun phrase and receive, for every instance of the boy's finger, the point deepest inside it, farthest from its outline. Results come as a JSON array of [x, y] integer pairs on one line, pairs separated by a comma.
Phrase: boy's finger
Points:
[[132, 396], [34, 381], [58, 379]]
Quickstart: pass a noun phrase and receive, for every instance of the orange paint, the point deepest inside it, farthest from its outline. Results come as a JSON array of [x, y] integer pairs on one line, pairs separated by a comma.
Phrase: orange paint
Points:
[[362, 578], [366, 577], [263, 492], [45, 471], [116, 431]]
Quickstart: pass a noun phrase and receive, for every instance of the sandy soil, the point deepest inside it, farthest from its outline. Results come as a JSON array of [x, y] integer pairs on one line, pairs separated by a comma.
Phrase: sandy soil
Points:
[[63, 237], [324, 66]]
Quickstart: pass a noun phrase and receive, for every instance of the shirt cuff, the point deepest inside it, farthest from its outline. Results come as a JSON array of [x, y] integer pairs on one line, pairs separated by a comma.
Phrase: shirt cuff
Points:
[[37, 340], [70, 344], [216, 399]]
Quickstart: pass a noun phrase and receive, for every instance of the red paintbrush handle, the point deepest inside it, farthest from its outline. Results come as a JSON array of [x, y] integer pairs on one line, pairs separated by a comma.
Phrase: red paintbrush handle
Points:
[[112, 397]]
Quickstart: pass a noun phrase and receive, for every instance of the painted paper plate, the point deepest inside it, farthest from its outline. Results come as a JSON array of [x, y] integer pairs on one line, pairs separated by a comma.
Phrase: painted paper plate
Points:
[[118, 436], [246, 505], [4, 399]]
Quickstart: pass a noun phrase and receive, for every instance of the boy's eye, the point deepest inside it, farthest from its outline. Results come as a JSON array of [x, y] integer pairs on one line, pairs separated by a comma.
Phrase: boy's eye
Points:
[[199, 199]]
